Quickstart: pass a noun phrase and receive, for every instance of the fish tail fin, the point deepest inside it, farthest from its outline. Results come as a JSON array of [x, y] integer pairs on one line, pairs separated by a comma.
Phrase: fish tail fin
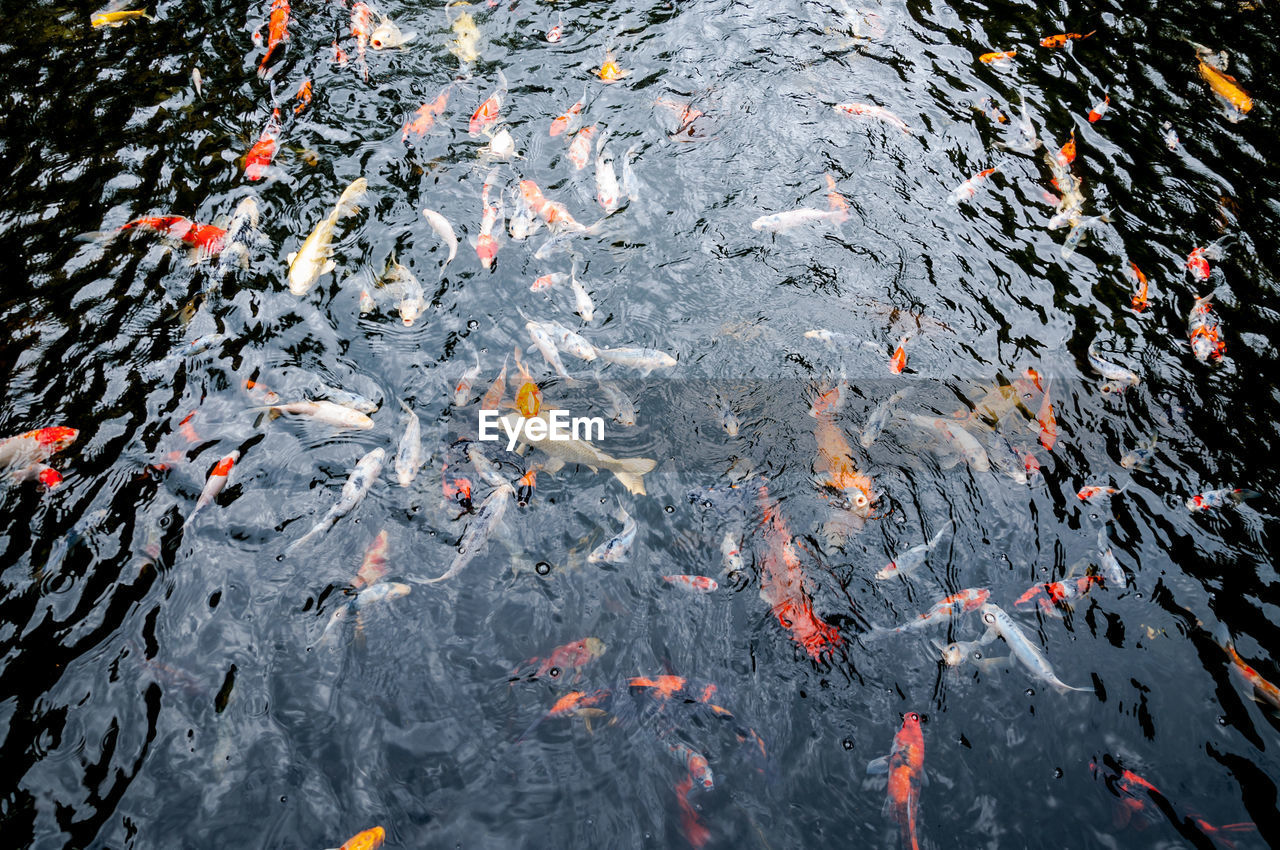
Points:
[[1241, 495], [632, 481]]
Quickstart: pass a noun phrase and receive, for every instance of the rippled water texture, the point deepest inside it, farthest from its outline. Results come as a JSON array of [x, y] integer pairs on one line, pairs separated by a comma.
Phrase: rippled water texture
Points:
[[165, 687]]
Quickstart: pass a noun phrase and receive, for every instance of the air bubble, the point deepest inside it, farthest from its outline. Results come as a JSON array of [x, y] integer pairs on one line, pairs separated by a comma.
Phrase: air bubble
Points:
[[542, 568]]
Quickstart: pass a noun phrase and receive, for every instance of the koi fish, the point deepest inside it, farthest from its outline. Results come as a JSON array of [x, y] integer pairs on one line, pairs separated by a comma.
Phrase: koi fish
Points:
[[527, 484], [259, 156], [303, 97], [643, 359], [621, 408], [1099, 109], [46, 475], [580, 147], [571, 656], [476, 538], [914, 558], [905, 767], [411, 300], [878, 113], [629, 471], [699, 584], [492, 398], [838, 212], [1094, 492], [729, 420], [1169, 135], [370, 839], [277, 33], [879, 418], [1067, 154], [555, 33], [205, 240], [783, 585], [1205, 332], [567, 121], [573, 704], [616, 549], [609, 71], [118, 17], [323, 411], [212, 487], [466, 38], [444, 230], [1000, 59], [1030, 655], [1130, 788], [608, 193], [462, 389], [354, 490], [730, 554], [1219, 498], [1264, 691], [1048, 425], [1198, 264], [960, 439], [1061, 39], [899, 360], [1054, 593], [695, 762], [486, 114], [373, 595], [425, 118], [1225, 86], [1139, 299], [36, 446], [387, 36], [966, 190], [942, 612], [546, 346], [409, 454], [502, 146], [1118, 377], [1140, 457], [555, 214], [528, 397], [361, 27], [314, 258], [833, 465], [373, 566]]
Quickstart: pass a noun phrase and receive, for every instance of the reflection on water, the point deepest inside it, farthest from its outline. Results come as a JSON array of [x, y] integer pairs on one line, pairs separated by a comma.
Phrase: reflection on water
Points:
[[932, 345]]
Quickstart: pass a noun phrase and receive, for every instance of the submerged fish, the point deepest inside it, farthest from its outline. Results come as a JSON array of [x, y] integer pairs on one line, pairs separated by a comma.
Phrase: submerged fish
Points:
[[643, 359], [409, 455], [312, 260], [1030, 655], [353, 492], [476, 538], [914, 558], [616, 549], [217, 480], [905, 768], [629, 471]]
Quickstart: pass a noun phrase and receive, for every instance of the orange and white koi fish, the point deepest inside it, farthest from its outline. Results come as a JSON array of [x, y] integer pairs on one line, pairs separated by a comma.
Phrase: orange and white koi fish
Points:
[[899, 360], [1048, 427], [834, 465], [555, 214], [212, 487], [783, 585], [966, 190], [303, 97], [1139, 299], [555, 33], [1050, 594], [572, 656], [1061, 39], [573, 704], [567, 122], [361, 28], [838, 212], [1000, 59], [698, 584], [277, 32], [263, 150], [486, 114], [1264, 690], [370, 839], [206, 240], [373, 567], [580, 147], [685, 113], [1067, 154], [1198, 264], [1094, 492], [425, 118], [35, 446], [1099, 109], [879, 113], [1220, 498], [1225, 86], [960, 603], [492, 398], [697, 764], [905, 767], [490, 222], [609, 71], [1205, 331]]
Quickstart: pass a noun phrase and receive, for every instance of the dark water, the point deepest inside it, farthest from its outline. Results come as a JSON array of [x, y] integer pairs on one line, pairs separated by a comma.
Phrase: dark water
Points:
[[161, 687]]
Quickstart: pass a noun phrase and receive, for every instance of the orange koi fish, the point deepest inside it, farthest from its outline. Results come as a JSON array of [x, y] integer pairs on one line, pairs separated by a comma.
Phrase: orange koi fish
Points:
[[1198, 264], [1139, 299], [834, 465], [425, 118], [1099, 109], [905, 767], [695, 832], [1264, 690], [1094, 491], [206, 240], [528, 397], [263, 150], [1225, 86], [700, 584], [361, 28], [580, 147], [303, 97], [836, 201], [555, 214], [573, 704], [486, 114], [571, 656], [373, 567], [783, 585], [1131, 788], [277, 32], [1061, 39], [1067, 155], [490, 220], [609, 71], [339, 55], [217, 480], [370, 839], [1048, 424], [966, 190], [567, 122], [899, 360], [999, 59]]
